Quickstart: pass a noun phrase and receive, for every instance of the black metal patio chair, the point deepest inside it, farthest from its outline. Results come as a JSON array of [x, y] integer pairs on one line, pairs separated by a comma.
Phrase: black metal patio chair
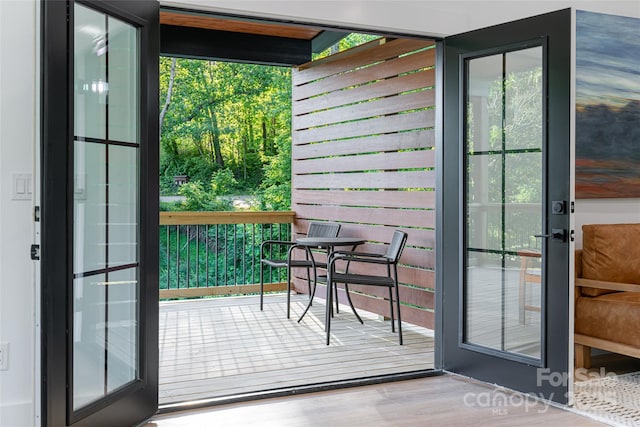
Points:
[[389, 280], [316, 229]]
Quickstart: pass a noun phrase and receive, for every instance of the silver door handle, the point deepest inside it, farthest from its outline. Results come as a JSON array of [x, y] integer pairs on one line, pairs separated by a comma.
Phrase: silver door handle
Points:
[[556, 234]]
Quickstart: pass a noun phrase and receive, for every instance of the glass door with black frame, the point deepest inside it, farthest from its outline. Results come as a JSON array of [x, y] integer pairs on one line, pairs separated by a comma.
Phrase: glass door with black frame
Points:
[[107, 295], [505, 267]]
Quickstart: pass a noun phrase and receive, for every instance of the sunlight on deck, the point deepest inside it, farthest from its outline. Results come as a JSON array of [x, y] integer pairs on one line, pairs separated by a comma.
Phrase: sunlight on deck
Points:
[[224, 346]]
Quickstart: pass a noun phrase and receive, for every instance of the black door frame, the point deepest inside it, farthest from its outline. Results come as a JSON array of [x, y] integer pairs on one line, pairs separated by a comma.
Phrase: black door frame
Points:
[[139, 399], [555, 27]]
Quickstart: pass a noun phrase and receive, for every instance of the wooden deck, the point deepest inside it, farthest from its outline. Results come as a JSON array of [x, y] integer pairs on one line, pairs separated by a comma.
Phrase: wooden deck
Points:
[[225, 346]]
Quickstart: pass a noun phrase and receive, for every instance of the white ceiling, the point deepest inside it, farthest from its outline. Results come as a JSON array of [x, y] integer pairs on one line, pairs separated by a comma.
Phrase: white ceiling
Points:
[[420, 17]]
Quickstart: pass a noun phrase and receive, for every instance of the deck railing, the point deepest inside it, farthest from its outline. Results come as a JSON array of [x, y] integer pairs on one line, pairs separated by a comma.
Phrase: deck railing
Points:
[[510, 226], [218, 253]]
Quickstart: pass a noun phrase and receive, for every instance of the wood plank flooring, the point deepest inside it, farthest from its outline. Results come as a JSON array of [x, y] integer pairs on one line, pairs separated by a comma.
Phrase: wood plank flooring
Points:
[[225, 346], [445, 400]]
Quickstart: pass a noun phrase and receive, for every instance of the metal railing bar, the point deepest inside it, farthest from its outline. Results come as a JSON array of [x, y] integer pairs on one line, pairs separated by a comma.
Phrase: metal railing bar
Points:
[[216, 257], [168, 237], [178, 257], [188, 253], [235, 254], [206, 245], [198, 256]]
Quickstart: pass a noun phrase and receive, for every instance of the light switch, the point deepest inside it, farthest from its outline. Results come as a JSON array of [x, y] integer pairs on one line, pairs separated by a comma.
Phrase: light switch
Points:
[[21, 186]]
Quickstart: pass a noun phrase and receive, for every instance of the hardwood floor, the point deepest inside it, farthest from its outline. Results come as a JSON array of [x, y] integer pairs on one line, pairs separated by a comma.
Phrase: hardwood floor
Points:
[[445, 400], [220, 347], [225, 346]]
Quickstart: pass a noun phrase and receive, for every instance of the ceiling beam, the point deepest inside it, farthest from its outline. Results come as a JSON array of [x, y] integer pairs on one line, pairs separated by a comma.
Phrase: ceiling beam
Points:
[[326, 39], [198, 43]]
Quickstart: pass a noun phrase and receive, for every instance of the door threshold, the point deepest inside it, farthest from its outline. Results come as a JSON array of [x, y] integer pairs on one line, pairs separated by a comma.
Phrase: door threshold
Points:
[[293, 391]]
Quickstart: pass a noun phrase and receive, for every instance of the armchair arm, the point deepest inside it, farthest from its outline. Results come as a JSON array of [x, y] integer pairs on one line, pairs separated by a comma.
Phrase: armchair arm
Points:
[[356, 254], [277, 242], [364, 257], [613, 286], [270, 243]]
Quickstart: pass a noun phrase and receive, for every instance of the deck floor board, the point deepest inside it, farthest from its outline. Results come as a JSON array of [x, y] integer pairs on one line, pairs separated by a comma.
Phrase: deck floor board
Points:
[[224, 346]]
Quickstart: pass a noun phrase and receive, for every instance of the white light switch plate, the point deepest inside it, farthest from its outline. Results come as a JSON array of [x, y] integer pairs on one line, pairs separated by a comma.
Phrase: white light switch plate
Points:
[[21, 186], [4, 356]]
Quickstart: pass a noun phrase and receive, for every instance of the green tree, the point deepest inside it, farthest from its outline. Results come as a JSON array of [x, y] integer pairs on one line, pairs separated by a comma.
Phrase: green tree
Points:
[[276, 186], [352, 40], [220, 115]]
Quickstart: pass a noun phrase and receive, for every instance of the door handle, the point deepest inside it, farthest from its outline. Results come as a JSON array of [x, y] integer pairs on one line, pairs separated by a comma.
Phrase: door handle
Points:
[[556, 234]]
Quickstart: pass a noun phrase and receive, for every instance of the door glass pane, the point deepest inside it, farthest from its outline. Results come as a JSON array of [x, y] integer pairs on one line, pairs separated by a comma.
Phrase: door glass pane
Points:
[[122, 328], [106, 206], [123, 82], [90, 73], [89, 213], [123, 205], [523, 99], [89, 329], [504, 178], [484, 120]]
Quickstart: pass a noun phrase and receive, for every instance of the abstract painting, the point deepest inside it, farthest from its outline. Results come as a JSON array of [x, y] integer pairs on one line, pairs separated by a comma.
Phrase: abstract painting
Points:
[[607, 106]]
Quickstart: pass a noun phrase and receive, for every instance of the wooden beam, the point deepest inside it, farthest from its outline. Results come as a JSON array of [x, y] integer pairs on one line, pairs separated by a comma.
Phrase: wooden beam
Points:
[[583, 356], [613, 286], [614, 347], [221, 290], [210, 218], [198, 43], [237, 25]]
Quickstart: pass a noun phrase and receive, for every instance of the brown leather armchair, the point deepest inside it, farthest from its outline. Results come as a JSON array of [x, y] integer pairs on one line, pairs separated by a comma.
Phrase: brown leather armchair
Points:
[[607, 293]]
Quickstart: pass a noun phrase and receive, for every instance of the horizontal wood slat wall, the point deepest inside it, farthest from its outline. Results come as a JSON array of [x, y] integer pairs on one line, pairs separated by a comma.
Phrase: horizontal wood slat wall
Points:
[[381, 70], [394, 141], [404, 160], [363, 155], [391, 199]]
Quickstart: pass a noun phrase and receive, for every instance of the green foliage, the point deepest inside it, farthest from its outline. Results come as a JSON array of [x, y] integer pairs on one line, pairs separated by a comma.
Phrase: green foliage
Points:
[[170, 206], [199, 199], [352, 40], [521, 118], [194, 166], [276, 186], [219, 255], [222, 118], [223, 182], [229, 124]]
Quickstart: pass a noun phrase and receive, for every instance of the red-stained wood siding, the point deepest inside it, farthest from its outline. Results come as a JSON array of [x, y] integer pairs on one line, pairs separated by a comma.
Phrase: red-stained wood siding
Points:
[[363, 155]]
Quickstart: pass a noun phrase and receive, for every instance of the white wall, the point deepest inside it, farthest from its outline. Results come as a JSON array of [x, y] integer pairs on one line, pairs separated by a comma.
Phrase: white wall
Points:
[[605, 211], [17, 135], [17, 139]]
